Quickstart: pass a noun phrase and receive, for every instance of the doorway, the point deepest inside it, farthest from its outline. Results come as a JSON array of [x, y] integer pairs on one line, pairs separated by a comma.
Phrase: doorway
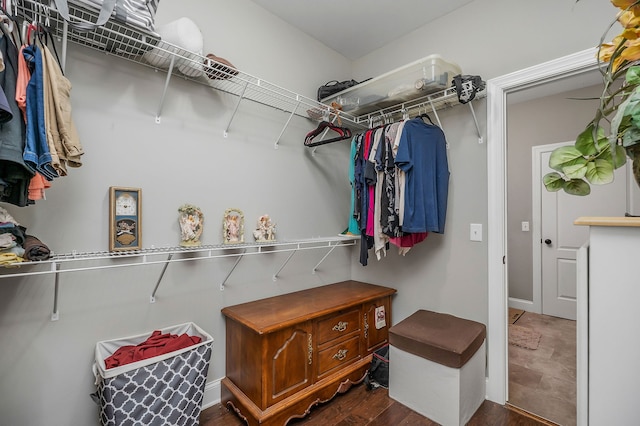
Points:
[[546, 74]]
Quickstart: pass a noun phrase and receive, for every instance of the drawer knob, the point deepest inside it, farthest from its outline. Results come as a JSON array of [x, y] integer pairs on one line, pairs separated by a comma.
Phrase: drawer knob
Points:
[[341, 326], [341, 354]]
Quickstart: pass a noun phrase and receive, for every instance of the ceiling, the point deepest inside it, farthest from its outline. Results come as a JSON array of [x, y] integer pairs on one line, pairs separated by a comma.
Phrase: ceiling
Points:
[[355, 28]]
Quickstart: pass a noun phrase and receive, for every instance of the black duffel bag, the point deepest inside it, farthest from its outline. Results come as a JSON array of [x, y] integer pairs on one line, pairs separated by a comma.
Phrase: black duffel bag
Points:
[[334, 86], [378, 374]]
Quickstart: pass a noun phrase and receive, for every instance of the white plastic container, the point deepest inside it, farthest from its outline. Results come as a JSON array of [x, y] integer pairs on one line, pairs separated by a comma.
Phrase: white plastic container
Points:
[[427, 75]]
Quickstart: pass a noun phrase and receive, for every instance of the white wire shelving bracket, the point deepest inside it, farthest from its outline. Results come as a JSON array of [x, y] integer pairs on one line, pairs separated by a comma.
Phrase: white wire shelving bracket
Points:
[[60, 264]]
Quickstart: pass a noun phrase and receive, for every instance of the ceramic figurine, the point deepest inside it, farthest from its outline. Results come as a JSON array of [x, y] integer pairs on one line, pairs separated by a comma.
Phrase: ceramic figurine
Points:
[[233, 226], [191, 225], [265, 230]]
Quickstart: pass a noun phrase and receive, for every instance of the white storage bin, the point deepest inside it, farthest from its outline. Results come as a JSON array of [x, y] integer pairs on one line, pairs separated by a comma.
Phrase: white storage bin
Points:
[[414, 80], [164, 390]]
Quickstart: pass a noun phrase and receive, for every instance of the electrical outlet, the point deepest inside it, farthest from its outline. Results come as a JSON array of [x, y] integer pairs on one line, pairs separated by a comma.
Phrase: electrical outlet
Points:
[[525, 226], [475, 232]]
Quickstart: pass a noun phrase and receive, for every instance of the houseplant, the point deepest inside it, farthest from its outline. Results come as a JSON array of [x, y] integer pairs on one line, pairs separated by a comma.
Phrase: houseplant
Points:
[[614, 133]]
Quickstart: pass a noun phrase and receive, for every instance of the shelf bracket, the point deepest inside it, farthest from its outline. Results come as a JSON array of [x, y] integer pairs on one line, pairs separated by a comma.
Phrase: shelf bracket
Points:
[[166, 86], [475, 120], [240, 256], [152, 299], [55, 314], [293, 112], [313, 271], [275, 276], [244, 89]]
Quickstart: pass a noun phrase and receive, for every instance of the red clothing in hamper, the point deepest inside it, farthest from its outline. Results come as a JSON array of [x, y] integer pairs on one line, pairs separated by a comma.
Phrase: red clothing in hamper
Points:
[[156, 344]]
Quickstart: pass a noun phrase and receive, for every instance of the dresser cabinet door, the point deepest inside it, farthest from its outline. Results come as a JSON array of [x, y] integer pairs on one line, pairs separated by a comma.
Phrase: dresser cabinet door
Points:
[[289, 358], [376, 323]]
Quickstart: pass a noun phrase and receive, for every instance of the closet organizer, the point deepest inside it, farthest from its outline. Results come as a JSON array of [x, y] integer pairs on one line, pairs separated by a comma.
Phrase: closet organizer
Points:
[[128, 43], [131, 44]]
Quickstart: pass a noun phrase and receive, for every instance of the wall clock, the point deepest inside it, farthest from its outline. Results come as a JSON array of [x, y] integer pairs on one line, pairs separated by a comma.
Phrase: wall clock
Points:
[[125, 232]]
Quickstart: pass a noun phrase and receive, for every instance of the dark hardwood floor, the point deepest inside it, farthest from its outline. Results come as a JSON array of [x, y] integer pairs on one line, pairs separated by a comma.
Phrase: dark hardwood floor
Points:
[[359, 407], [543, 381]]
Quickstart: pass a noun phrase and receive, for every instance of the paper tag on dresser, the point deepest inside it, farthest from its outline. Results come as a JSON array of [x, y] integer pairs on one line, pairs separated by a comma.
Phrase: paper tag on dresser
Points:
[[381, 320]]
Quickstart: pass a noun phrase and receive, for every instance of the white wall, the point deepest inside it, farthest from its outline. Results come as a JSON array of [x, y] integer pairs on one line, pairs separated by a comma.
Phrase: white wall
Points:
[[45, 366], [487, 38], [551, 119], [494, 37]]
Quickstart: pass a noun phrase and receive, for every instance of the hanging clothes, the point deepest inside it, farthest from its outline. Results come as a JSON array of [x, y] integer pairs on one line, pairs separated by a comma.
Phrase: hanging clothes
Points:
[[61, 131], [353, 228], [400, 180], [14, 173], [362, 191], [422, 155], [36, 154]]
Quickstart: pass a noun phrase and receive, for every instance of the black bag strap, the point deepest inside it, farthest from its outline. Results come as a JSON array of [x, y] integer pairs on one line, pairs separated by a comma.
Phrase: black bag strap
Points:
[[105, 13]]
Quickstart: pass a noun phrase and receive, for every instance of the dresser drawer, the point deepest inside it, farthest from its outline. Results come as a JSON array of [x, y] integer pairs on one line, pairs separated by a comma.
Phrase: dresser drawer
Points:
[[338, 355], [337, 326]]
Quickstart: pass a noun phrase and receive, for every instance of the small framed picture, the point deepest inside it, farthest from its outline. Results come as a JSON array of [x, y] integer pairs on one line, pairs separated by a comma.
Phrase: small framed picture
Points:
[[125, 211]]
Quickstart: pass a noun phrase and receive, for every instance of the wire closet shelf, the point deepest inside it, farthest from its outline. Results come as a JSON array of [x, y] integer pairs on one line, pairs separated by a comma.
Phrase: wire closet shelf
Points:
[[147, 49]]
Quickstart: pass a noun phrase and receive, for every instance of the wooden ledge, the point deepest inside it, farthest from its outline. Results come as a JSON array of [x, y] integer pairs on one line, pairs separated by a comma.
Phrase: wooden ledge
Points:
[[607, 221]]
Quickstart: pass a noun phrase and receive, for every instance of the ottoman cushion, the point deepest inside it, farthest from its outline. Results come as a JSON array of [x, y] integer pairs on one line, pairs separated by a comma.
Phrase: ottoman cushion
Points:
[[441, 338]]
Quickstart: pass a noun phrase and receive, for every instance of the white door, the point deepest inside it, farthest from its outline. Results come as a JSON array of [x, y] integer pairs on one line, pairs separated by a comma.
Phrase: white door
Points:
[[560, 239]]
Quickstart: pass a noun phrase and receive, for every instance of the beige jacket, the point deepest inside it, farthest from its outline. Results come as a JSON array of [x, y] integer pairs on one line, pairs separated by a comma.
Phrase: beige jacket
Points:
[[62, 136]]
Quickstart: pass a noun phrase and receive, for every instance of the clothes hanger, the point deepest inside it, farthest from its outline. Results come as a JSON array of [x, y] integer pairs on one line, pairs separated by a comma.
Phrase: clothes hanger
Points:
[[425, 115], [343, 133]]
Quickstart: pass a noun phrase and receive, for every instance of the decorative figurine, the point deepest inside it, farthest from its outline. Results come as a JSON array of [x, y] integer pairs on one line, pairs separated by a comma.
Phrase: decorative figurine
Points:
[[191, 225], [233, 226], [265, 230]]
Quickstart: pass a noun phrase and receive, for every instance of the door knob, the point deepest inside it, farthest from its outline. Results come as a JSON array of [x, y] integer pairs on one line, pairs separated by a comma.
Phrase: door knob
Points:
[[547, 242]]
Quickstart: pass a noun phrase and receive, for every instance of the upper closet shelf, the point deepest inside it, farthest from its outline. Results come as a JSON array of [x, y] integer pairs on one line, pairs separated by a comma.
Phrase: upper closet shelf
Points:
[[147, 49]]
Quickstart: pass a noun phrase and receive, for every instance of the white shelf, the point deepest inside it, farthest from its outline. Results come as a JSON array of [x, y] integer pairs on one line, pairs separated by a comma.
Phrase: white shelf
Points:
[[75, 262], [130, 44]]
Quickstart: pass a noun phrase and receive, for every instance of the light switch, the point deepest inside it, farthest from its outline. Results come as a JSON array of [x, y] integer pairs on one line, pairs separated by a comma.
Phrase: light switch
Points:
[[525, 226], [475, 232]]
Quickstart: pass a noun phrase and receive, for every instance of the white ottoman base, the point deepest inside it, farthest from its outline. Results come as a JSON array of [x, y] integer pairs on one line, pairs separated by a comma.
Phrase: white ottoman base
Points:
[[449, 396]]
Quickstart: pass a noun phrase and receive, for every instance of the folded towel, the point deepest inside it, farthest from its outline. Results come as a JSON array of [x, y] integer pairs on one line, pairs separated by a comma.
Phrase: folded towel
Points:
[[35, 250]]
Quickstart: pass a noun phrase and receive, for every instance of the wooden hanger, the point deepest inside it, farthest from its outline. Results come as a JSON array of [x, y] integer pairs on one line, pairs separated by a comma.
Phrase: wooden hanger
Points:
[[324, 126]]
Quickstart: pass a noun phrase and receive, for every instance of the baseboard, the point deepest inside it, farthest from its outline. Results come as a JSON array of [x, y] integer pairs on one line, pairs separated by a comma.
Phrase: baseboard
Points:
[[525, 305], [212, 392]]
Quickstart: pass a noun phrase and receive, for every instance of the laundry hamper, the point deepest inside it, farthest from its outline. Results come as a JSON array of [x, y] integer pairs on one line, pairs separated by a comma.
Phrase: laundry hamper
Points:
[[164, 390]]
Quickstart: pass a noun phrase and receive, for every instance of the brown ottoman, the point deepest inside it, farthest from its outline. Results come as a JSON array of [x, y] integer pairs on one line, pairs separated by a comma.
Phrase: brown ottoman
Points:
[[437, 366]]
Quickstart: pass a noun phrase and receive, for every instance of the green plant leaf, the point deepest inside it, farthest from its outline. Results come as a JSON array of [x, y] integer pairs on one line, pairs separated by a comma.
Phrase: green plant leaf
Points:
[[599, 172], [620, 158], [553, 181], [577, 169], [563, 157], [585, 143], [623, 114], [633, 75], [631, 137], [577, 187]]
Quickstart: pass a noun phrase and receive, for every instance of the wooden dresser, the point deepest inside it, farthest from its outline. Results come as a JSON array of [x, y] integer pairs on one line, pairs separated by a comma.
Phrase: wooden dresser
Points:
[[287, 353]]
